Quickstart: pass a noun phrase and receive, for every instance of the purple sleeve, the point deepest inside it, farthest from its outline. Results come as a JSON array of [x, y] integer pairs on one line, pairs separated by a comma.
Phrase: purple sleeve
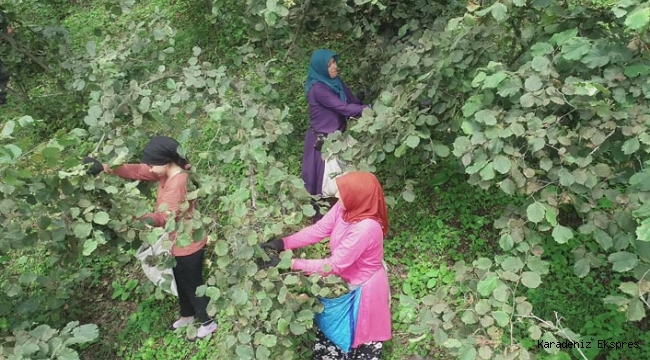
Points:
[[314, 233], [352, 99], [327, 98], [343, 256]]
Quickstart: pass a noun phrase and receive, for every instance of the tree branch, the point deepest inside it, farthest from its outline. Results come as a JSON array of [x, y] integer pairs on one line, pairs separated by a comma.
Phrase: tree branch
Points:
[[605, 139], [253, 185], [14, 44], [305, 7]]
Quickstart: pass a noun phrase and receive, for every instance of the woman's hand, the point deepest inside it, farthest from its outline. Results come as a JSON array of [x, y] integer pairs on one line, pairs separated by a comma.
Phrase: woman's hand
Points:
[[274, 244], [96, 168]]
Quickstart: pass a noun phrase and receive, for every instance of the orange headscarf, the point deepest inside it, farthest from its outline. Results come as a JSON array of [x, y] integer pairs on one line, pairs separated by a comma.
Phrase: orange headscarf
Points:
[[363, 198]]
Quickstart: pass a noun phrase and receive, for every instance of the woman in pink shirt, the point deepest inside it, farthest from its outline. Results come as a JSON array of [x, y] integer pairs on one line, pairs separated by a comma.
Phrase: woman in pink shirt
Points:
[[356, 226], [162, 163]]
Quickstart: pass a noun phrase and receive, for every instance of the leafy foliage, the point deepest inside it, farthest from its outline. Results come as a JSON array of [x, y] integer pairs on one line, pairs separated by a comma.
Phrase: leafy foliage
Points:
[[545, 101]]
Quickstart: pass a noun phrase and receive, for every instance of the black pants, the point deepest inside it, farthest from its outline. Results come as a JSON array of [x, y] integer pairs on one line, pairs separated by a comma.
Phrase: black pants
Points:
[[4, 81], [324, 349], [188, 274]]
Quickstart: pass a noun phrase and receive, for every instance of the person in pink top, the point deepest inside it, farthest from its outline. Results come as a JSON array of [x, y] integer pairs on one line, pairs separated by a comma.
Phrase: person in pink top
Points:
[[162, 163], [356, 226]]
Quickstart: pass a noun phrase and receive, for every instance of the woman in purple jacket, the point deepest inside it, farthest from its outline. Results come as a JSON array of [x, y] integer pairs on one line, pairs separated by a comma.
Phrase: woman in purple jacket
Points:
[[331, 103]]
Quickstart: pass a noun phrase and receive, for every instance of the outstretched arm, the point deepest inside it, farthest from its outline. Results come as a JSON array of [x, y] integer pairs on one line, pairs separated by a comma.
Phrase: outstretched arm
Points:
[[329, 99], [132, 172], [343, 256], [314, 233]]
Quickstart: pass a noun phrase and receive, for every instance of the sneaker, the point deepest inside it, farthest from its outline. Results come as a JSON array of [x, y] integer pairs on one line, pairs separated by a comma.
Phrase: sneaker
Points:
[[183, 321], [205, 330]]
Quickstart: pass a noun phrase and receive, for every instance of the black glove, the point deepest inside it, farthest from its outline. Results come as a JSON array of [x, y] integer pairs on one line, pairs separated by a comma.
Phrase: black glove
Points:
[[274, 244], [274, 260], [96, 167]]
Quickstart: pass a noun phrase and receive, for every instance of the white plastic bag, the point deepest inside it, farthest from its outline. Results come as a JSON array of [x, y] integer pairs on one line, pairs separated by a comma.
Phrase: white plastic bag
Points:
[[157, 275], [333, 169]]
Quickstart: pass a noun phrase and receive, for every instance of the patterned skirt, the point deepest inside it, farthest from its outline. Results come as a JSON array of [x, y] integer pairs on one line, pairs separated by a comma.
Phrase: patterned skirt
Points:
[[326, 350]]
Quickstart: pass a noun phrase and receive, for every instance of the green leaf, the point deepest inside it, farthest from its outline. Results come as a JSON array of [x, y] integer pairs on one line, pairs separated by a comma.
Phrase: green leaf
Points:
[[630, 146], [533, 83], [501, 318], [487, 173], [560, 38], [269, 340], [494, 80], [597, 57], [221, 248], [623, 261], [245, 352], [535, 212], [482, 307], [413, 141], [635, 310], [486, 117], [575, 49], [582, 267], [469, 317], [562, 234], [486, 286], [83, 334], [82, 230], [501, 164], [101, 218], [240, 297], [546, 164], [90, 245], [499, 12], [512, 263], [603, 238], [440, 149], [535, 332], [506, 242], [630, 288], [8, 128], [291, 280], [297, 328], [541, 49], [530, 279], [408, 195], [483, 263], [540, 63], [638, 19], [643, 231], [508, 186], [467, 352], [308, 210], [472, 105], [527, 100]]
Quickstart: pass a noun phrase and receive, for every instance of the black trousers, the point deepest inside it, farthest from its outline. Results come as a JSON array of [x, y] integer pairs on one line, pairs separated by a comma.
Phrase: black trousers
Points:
[[4, 81], [188, 274], [324, 349]]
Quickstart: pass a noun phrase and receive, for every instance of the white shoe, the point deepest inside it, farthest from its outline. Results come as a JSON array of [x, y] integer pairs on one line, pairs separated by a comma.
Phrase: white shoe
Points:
[[183, 321], [207, 329]]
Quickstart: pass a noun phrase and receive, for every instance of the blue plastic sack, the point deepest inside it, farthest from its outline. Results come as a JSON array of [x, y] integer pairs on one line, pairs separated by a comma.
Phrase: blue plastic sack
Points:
[[338, 320]]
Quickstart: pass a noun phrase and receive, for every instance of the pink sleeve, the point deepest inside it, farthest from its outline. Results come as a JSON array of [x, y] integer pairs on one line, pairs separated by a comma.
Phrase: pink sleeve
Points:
[[344, 255], [315, 233], [132, 172]]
